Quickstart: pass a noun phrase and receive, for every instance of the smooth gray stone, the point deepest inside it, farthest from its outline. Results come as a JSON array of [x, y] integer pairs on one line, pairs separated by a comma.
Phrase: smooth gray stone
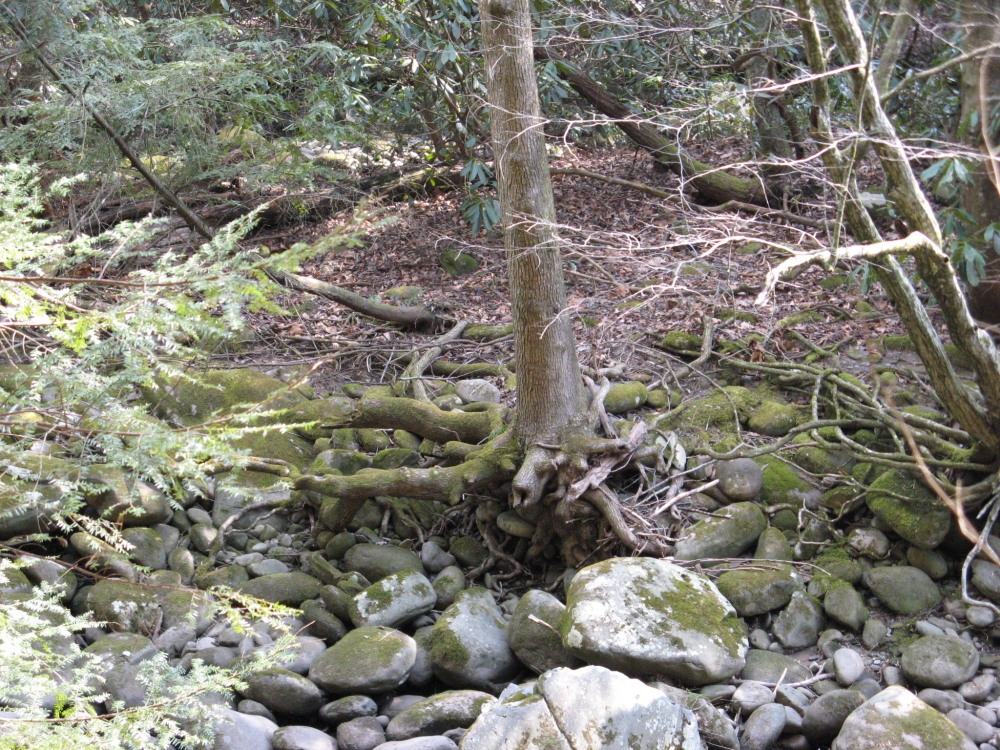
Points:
[[764, 726], [302, 738]]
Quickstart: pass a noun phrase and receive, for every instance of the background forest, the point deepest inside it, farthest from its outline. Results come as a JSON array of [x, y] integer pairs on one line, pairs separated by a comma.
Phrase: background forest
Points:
[[362, 361]]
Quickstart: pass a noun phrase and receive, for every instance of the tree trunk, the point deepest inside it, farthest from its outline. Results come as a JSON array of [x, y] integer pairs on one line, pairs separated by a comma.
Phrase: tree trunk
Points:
[[901, 24], [980, 94], [775, 140]]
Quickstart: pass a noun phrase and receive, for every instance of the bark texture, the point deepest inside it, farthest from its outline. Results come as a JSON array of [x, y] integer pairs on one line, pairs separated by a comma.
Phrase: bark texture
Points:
[[550, 395]]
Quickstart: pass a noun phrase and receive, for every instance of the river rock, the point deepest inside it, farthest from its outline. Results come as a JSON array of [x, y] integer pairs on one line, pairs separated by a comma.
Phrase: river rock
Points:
[[301, 738], [848, 666], [434, 558], [763, 727], [736, 528], [939, 661], [648, 616], [148, 548], [823, 719], [363, 733], [469, 647], [345, 709], [540, 648], [754, 592], [290, 589], [907, 507], [453, 709], [896, 718], [767, 666], [844, 605], [285, 692], [376, 561], [477, 390], [447, 584], [740, 479], [366, 661], [799, 624], [124, 606], [393, 601], [903, 588], [236, 731], [591, 708]]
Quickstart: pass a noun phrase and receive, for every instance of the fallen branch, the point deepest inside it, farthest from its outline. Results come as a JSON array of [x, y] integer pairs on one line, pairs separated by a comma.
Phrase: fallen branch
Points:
[[716, 184]]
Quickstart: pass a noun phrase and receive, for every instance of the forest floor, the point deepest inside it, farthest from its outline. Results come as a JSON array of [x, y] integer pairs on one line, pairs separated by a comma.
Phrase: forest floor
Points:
[[637, 267]]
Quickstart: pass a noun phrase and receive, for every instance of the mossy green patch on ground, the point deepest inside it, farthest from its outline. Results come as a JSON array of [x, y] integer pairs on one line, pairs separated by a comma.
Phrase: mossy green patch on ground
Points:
[[800, 318], [740, 315], [681, 342]]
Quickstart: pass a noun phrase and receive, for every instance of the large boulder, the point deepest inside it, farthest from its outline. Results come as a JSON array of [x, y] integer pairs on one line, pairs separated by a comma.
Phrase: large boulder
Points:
[[236, 731], [366, 661], [939, 661], [285, 693], [903, 588], [290, 589], [124, 606], [896, 718], [648, 616], [909, 508], [584, 709], [469, 646]]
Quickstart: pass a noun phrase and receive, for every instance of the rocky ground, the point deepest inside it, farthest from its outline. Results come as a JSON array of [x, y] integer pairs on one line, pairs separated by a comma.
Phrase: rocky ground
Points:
[[810, 603]]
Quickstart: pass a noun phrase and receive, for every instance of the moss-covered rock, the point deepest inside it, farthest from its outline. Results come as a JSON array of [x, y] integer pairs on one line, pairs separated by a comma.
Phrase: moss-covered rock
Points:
[[376, 561], [452, 709], [658, 398], [124, 606], [897, 718], [681, 342], [784, 484], [910, 509], [229, 576], [754, 592], [458, 262], [774, 419], [533, 633], [648, 616], [290, 589], [393, 600], [727, 534], [367, 661], [623, 397], [716, 414], [395, 458]]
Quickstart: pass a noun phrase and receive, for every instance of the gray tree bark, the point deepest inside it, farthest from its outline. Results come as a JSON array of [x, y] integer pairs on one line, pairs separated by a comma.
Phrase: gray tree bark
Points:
[[550, 396]]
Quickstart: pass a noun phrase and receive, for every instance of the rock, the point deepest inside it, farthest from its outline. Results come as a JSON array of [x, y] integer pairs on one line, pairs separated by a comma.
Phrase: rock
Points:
[[895, 718], [434, 558], [393, 601], [124, 606], [985, 577], [978, 689], [363, 733], [285, 693], [907, 507], [345, 709], [844, 605], [468, 550], [267, 567], [510, 522], [48, 571], [423, 667], [477, 391], [253, 708], [869, 542], [772, 545], [974, 728], [729, 535], [301, 738], [322, 623], [773, 419], [903, 589], [236, 731], [421, 743], [290, 589], [624, 397], [874, 633], [148, 548], [123, 655], [376, 561], [848, 666], [942, 700], [469, 646], [717, 730], [799, 624], [767, 666], [459, 263], [750, 696], [980, 617], [823, 719], [932, 562], [203, 537], [436, 715], [231, 576], [584, 709], [447, 584], [763, 727], [337, 547], [754, 592], [648, 616], [539, 647], [181, 561], [366, 661], [740, 479], [939, 661]]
